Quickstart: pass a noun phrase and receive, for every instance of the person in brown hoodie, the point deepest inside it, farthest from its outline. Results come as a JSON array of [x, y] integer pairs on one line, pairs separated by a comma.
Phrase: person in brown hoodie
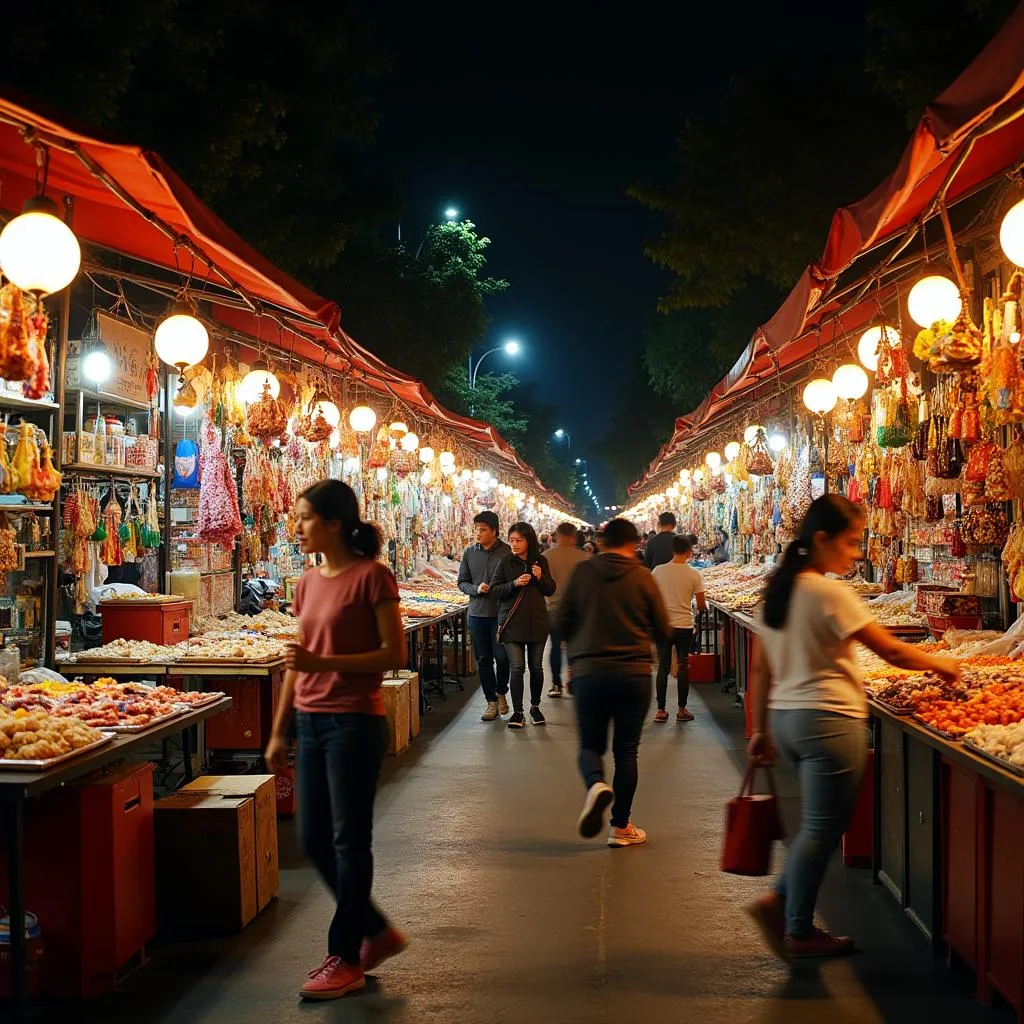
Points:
[[609, 615]]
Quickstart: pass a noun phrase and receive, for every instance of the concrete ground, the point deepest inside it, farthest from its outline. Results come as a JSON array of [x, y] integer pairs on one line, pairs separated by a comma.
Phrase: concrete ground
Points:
[[513, 919]]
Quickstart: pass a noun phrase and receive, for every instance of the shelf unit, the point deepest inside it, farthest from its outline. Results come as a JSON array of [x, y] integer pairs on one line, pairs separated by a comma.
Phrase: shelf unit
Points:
[[9, 401], [123, 472]]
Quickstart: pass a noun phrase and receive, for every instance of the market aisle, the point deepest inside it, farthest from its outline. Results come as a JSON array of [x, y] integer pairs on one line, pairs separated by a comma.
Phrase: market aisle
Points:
[[513, 919]]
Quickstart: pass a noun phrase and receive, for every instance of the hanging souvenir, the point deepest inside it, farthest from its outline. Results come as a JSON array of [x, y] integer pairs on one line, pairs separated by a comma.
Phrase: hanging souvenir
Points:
[[906, 569], [266, 419], [759, 457], [15, 354], [985, 526], [961, 348], [997, 481], [1013, 463], [970, 430], [893, 429], [186, 465], [933, 509], [977, 462], [973, 492]]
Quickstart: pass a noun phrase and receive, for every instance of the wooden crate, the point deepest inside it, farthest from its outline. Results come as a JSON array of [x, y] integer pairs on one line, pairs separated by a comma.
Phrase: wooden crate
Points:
[[396, 706], [208, 861], [413, 678]]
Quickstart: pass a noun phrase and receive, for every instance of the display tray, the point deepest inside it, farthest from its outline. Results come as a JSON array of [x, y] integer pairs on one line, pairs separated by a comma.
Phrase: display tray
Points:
[[152, 723], [230, 662], [1015, 769], [938, 732], [49, 762], [209, 698], [891, 708], [88, 662]]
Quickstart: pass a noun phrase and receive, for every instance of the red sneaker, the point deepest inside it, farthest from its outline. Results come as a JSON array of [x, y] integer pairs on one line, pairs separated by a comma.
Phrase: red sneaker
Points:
[[332, 979], [818, 943], [382, 947], [769, 914], [661, 715], [684, 715]]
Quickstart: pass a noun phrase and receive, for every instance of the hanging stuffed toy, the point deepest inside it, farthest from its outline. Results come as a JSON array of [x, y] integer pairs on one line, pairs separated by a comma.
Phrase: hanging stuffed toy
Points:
[[186, 465]]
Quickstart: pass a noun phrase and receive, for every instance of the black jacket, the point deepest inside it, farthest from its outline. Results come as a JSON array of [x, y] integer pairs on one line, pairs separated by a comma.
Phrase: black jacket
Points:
[[659, 549], [529, 624], [610, 613], [477, 566]]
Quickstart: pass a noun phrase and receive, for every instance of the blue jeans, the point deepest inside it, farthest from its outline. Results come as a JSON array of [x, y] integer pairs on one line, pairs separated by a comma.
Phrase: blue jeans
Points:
[[828, 752], [337, 766], [488, 652], [555, 658], [600, 701], [519, 656]]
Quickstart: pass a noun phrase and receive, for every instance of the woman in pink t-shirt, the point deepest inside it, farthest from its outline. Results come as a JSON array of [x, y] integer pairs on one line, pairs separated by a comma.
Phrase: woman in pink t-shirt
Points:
[[350, 633]]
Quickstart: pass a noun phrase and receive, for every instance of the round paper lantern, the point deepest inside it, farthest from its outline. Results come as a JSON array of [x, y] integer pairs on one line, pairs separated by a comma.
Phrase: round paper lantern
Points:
[[820, 396], [330, 412], [181, 340], [410, 442], [467, 475], [1011, 234], [713, 460], [426, 454], [732, 449], [398, 427], [751, 432], [867, 347], [252, 386], [934, 298], [362, 419], [850, 381], [698, 474], [446, 459], [777, 442], [38, 251]]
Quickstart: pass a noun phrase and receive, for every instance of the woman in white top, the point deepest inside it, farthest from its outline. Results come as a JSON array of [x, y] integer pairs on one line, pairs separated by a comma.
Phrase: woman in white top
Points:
[[805, 675]]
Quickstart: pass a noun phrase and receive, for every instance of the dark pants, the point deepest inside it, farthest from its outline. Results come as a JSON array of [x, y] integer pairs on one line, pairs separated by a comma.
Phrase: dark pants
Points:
[[681, 641], [623, 701], [338, 764], [519, 656], [555, 658], [488, 651]]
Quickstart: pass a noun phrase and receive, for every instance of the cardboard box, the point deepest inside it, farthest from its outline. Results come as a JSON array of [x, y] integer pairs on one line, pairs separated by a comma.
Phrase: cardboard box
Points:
[[413, 679], [396, 707], [263, 790], [216, 854]]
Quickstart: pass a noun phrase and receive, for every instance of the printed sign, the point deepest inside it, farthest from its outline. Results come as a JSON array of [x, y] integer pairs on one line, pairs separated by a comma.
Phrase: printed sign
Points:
[[129, 348]]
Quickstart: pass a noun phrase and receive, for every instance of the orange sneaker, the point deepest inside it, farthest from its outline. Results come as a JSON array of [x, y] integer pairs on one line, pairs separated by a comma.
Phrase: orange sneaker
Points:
[[628, 836], [333, 979], [818, 943], [382, 947], [684, 715], [661, 715]]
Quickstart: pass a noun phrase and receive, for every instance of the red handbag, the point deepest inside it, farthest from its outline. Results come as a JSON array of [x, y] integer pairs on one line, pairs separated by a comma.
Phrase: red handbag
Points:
[[752, 824]]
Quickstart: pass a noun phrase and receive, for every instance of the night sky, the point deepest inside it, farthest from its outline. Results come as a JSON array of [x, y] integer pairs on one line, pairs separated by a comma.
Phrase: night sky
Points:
[[533, 122]]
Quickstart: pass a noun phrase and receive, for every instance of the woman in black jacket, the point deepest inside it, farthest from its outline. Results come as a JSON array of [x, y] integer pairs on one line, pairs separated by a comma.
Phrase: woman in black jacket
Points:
[[521, 582]]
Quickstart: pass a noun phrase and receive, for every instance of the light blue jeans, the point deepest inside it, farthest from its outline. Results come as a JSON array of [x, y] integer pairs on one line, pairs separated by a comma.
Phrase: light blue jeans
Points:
[[828, 751]]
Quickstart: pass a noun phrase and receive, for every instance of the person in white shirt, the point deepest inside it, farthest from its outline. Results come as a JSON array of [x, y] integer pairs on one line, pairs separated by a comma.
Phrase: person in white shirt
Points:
[[679, 584], [805, 675]]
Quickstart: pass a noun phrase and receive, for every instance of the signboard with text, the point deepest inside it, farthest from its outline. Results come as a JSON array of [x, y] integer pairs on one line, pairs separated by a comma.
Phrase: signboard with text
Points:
[[129, 349]]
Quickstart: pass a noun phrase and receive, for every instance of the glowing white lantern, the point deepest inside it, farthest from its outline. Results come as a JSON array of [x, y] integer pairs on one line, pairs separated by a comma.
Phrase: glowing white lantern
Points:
[[934, 298], [1011, 235], [38, 251], [820, 396], [446, 459], [850, 381], [732, 449], [426, 454], [410, 442], [777, 442], [362, 419], [713, 460], [751, 432], [181, 340], [252, 386]]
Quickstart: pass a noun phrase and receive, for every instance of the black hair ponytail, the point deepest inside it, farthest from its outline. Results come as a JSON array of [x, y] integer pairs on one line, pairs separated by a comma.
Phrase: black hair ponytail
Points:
[[334, 500], [831, 514]]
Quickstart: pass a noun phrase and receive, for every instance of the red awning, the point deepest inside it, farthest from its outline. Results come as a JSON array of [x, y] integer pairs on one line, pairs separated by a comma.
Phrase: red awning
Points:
[[127, 199], [975, 128]]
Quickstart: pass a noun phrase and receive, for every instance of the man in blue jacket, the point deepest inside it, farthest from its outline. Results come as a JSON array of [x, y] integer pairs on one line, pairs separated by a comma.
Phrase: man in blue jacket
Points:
[[477, 567]]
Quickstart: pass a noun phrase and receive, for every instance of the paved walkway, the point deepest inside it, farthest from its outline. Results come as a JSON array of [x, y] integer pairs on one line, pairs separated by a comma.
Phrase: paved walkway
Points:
[[514, 919]]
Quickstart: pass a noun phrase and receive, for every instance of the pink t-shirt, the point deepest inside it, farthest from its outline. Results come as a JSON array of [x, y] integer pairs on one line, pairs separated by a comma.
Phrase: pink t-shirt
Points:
[[337, 617]]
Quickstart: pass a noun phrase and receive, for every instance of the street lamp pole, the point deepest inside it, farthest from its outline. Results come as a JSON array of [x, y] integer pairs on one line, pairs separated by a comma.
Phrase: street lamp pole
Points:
[[560, 433], [473, 371]]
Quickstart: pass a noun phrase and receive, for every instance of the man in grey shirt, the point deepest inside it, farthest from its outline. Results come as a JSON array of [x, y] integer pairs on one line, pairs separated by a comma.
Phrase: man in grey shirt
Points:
[[477, 567]]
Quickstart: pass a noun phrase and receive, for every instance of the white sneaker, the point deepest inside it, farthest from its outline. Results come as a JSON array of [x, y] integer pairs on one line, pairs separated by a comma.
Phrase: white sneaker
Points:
[[502, 704], [599, 798], [628, 836], [491, 713]]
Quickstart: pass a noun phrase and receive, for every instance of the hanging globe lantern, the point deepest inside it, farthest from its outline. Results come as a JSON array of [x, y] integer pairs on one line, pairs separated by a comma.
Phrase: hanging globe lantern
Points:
[[446, 459], [777, 442], [751, 432], [426, 454], [38, 251], [867, 347], [253, 383], [698, 474], [327, 409], [934, 298], [398, 427], [713, 460], [362, 419], [1011, 234], [820, 396], [850, 381], [467, 475], [732, 449], [181, 340], [410, 442]]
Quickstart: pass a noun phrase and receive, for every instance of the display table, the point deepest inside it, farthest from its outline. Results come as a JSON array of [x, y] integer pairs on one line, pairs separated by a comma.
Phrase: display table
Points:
[[422, 650], [18, 786]]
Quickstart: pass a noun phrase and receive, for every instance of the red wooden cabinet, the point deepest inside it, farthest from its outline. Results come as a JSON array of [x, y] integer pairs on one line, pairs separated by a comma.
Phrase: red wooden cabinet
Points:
[[166, 623], [960, 830]]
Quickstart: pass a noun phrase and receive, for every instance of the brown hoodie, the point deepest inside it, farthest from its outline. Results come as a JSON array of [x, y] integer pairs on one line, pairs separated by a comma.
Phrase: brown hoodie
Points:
[[609, 614]]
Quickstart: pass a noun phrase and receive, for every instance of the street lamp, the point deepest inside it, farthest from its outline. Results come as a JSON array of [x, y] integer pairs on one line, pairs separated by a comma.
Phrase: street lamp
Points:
[[510, 348], [560, 433], [451, 214]]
